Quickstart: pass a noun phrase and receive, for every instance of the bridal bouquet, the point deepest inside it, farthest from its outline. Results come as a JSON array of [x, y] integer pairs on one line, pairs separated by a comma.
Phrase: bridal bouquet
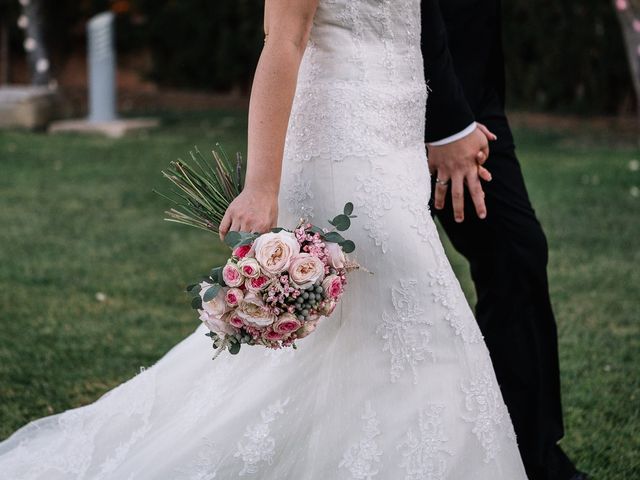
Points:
[[276, 286]]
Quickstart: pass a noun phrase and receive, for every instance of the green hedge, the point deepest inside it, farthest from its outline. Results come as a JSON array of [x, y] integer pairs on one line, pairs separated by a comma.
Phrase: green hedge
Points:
[[561, 55]]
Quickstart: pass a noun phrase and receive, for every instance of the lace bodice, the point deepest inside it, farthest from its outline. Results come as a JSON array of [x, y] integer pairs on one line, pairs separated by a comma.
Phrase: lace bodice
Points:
[[377, 41]]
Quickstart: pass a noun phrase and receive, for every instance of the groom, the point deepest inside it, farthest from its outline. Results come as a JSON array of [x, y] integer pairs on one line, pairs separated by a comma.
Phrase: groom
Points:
[[492, 223]]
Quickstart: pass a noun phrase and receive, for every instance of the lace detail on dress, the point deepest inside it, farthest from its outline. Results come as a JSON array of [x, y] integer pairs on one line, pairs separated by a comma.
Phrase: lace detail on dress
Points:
[[72, 450], [425, 452], [260, 445], [299, 195], [374, 199], [362, 458], [206, 464], [446, 291], [415, 199], [405, 332], [487, 411]]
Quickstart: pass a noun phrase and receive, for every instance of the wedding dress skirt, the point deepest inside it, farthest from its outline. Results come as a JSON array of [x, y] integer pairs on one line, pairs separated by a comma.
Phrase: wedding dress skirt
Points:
[[397, 384]]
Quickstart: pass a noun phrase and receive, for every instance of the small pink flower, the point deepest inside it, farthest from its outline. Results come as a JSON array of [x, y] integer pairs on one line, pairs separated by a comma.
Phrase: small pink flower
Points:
[[231, 275], [241, 251], [332, 286], [233, 297], [621, 4], [286, 324], [256, 284], [249, 267]]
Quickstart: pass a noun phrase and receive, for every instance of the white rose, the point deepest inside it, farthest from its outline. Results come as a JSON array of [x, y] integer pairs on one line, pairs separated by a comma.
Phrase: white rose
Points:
[[254, 312], [216, 307], [216, 323], [275, 250], [305, 270], [335, 255]]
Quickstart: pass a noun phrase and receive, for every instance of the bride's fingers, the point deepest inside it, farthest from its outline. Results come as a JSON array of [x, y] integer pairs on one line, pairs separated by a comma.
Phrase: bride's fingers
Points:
[[224, 225]]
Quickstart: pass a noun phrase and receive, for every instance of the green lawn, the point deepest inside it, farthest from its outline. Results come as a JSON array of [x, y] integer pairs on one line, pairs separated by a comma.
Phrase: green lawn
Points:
[[78, 223]]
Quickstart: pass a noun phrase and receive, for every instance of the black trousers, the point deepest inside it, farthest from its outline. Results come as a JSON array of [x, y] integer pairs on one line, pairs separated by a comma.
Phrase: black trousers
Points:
[[508, 254]]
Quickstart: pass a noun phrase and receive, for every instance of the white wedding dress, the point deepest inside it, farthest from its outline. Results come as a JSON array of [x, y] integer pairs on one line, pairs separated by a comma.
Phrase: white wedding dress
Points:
[[397, 384]]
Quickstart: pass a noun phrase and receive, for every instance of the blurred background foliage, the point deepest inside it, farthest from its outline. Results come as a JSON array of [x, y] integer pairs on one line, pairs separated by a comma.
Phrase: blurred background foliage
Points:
[[562, 55]]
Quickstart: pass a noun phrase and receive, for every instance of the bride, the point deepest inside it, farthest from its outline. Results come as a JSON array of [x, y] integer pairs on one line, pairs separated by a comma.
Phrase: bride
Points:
[[398, 383]]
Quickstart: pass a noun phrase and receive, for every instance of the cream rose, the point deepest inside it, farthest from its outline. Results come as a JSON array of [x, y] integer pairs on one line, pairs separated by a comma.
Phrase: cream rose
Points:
[[307, 328], [249, 267], [254, 312], [305, 270], [327, 308], [275, 250], [335, 255]]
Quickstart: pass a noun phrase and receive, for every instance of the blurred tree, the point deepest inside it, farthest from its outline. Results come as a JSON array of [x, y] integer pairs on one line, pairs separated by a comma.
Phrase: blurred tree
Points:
[[564, 55], [31, 21], [629, 16]]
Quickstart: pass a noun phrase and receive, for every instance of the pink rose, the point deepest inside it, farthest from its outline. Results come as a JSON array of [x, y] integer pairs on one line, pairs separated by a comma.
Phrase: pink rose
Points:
[[256, 284], [307, 328], [286, 324], [249, 267], [335, 255], [241, 251], [231, 275], [233, 297], [272, 336], [332, 286], [252, 310], [275, 250], [305, 270], [235, 320]]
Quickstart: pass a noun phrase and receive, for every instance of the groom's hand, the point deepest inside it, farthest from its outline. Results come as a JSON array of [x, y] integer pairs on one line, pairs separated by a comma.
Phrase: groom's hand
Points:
[[460, 162]]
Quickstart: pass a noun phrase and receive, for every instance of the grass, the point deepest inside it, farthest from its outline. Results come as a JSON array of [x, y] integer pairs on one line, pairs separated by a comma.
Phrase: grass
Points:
[[91, 277]]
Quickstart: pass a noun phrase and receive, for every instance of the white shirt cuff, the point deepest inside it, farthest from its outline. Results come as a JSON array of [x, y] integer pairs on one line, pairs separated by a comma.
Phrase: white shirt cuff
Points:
[[457, 136]]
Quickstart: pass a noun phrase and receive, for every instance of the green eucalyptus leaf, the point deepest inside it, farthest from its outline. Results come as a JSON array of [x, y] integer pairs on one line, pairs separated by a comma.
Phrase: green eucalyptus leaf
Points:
[[348, 208], [334, 237], [232, 238], [342, 222], [234, 348], [348, 246], [196, 303], [276, 229], [193, 288], [211, 293]]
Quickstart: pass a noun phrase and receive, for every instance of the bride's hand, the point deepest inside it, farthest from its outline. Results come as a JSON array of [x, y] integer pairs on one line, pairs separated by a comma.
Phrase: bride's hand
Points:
[[254, 210]]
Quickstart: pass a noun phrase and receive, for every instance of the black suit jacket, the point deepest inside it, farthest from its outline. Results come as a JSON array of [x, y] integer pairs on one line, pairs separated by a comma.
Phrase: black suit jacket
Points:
[[464, 66]]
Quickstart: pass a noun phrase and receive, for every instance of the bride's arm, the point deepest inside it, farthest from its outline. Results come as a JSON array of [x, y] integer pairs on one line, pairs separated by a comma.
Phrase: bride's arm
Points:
[[287, 25]]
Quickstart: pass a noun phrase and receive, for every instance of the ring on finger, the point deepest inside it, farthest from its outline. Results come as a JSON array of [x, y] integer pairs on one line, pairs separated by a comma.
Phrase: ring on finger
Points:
[[444, 183]]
